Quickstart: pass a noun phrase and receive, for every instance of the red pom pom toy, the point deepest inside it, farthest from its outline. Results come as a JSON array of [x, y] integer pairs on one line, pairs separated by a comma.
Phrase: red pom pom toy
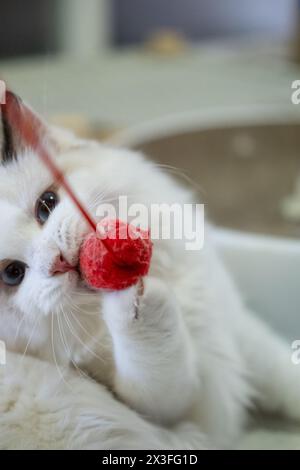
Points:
[[116, 256]]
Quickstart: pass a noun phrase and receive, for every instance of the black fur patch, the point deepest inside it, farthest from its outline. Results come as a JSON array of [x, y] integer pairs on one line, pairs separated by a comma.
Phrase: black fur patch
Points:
[[8, 153]]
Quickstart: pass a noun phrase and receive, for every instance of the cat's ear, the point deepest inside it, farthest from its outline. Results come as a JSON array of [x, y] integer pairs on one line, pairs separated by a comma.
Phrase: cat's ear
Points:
[[18, 120], [21, 127]]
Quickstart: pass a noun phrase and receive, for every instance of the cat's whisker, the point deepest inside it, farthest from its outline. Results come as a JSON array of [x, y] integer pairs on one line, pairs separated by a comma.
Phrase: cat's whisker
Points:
[[72, 305], [180, 173], [47, 207], [84, 329], [107, 200], [80, 310], [67, 320], [87, 297], [30, 338], [96, 198], [115, 198], [54, 354], [67, 349], [101, 197], [95, 194], [19, 328], [89, 293]]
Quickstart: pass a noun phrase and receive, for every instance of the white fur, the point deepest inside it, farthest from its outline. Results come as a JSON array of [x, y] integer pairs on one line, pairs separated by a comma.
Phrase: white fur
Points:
[[190, 352], [39, 410]]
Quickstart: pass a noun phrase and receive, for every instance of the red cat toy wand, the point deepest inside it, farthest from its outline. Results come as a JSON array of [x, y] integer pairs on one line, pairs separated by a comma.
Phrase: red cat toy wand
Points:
[[116, 254]]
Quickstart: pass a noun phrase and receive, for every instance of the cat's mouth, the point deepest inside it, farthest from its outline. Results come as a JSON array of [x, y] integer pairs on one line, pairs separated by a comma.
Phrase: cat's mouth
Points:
[[62, 266], [67, 271], [73, 269]]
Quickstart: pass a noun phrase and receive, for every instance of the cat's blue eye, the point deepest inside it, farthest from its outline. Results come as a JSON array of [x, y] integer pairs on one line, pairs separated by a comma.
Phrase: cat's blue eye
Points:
[[13, 274], [45, 205]]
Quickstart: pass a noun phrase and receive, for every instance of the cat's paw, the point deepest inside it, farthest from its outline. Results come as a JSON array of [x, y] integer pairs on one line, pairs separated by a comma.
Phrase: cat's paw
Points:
[[139, 304], [121, 308]]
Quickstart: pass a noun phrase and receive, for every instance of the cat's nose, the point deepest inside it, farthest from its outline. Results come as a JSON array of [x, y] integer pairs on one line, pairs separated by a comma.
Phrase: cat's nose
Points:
[[60, 266]]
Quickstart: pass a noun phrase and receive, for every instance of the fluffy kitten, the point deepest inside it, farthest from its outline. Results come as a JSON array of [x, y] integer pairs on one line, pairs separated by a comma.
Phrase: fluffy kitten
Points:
[[190, 351]]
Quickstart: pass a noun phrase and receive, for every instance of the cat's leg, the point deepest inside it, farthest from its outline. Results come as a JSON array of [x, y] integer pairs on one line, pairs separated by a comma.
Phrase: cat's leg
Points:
[[268, 364], [154, 363]]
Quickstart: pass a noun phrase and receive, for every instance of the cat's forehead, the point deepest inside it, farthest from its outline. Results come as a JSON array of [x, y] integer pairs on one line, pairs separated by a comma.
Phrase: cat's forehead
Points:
[[22, 179]]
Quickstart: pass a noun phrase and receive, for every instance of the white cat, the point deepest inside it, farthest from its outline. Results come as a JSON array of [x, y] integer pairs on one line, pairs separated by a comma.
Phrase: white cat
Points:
[[190, 351]]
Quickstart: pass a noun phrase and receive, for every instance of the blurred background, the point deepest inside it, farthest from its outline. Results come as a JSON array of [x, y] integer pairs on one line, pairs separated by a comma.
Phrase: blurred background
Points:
[[204, 87], [54, 26], [123, 61]]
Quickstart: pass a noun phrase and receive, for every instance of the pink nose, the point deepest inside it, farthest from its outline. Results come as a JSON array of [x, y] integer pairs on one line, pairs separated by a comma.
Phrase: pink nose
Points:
[[60, 266]]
